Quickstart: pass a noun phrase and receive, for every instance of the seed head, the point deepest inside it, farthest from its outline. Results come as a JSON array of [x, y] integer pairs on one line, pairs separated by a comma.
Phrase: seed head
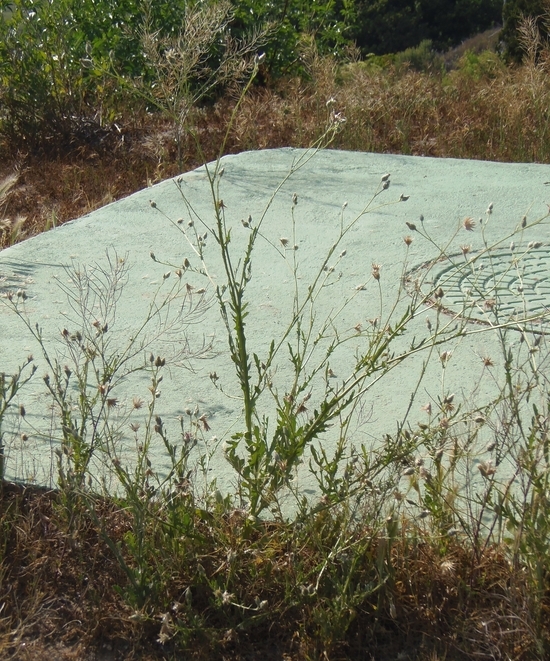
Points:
[[284, 241], [427, 407], [469, 224], [486, 469], [524, 222], [204, 422], [153, 204], [408, 239], [411, 226], [376, 271], [447, 566], [445, 356], [465, 249]]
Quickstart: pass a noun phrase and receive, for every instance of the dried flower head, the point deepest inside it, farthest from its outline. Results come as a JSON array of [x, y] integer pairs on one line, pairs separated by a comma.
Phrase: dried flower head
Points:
[[486, 468], [376, 271], [427, 407], [408, 240], [465, 249], [447, 567], [445, 356], [469, 223]]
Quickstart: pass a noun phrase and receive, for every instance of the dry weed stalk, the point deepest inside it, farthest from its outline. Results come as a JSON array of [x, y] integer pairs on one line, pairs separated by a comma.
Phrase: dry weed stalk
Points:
[[188, 67]]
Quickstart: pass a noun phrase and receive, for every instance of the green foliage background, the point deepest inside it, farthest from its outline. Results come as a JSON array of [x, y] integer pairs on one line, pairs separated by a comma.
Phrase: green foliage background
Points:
[[54, 53]]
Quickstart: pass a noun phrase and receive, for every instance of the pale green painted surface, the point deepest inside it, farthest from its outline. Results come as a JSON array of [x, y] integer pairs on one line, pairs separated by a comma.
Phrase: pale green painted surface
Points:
[[444, 191]]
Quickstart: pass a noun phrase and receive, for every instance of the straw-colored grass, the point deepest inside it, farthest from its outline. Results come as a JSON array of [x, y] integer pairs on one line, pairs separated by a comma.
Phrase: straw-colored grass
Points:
[[480, 110]]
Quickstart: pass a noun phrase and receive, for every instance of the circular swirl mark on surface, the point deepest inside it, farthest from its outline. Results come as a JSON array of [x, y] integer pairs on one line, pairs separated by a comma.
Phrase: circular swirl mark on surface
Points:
[[489, 286]]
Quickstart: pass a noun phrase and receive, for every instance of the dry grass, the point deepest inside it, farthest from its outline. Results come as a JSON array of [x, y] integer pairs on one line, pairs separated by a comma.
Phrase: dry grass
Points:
[[482, 110], [60, 599]]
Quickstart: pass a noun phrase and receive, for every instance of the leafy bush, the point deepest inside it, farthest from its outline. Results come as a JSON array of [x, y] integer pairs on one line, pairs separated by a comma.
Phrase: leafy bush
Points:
[[420, 58]]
